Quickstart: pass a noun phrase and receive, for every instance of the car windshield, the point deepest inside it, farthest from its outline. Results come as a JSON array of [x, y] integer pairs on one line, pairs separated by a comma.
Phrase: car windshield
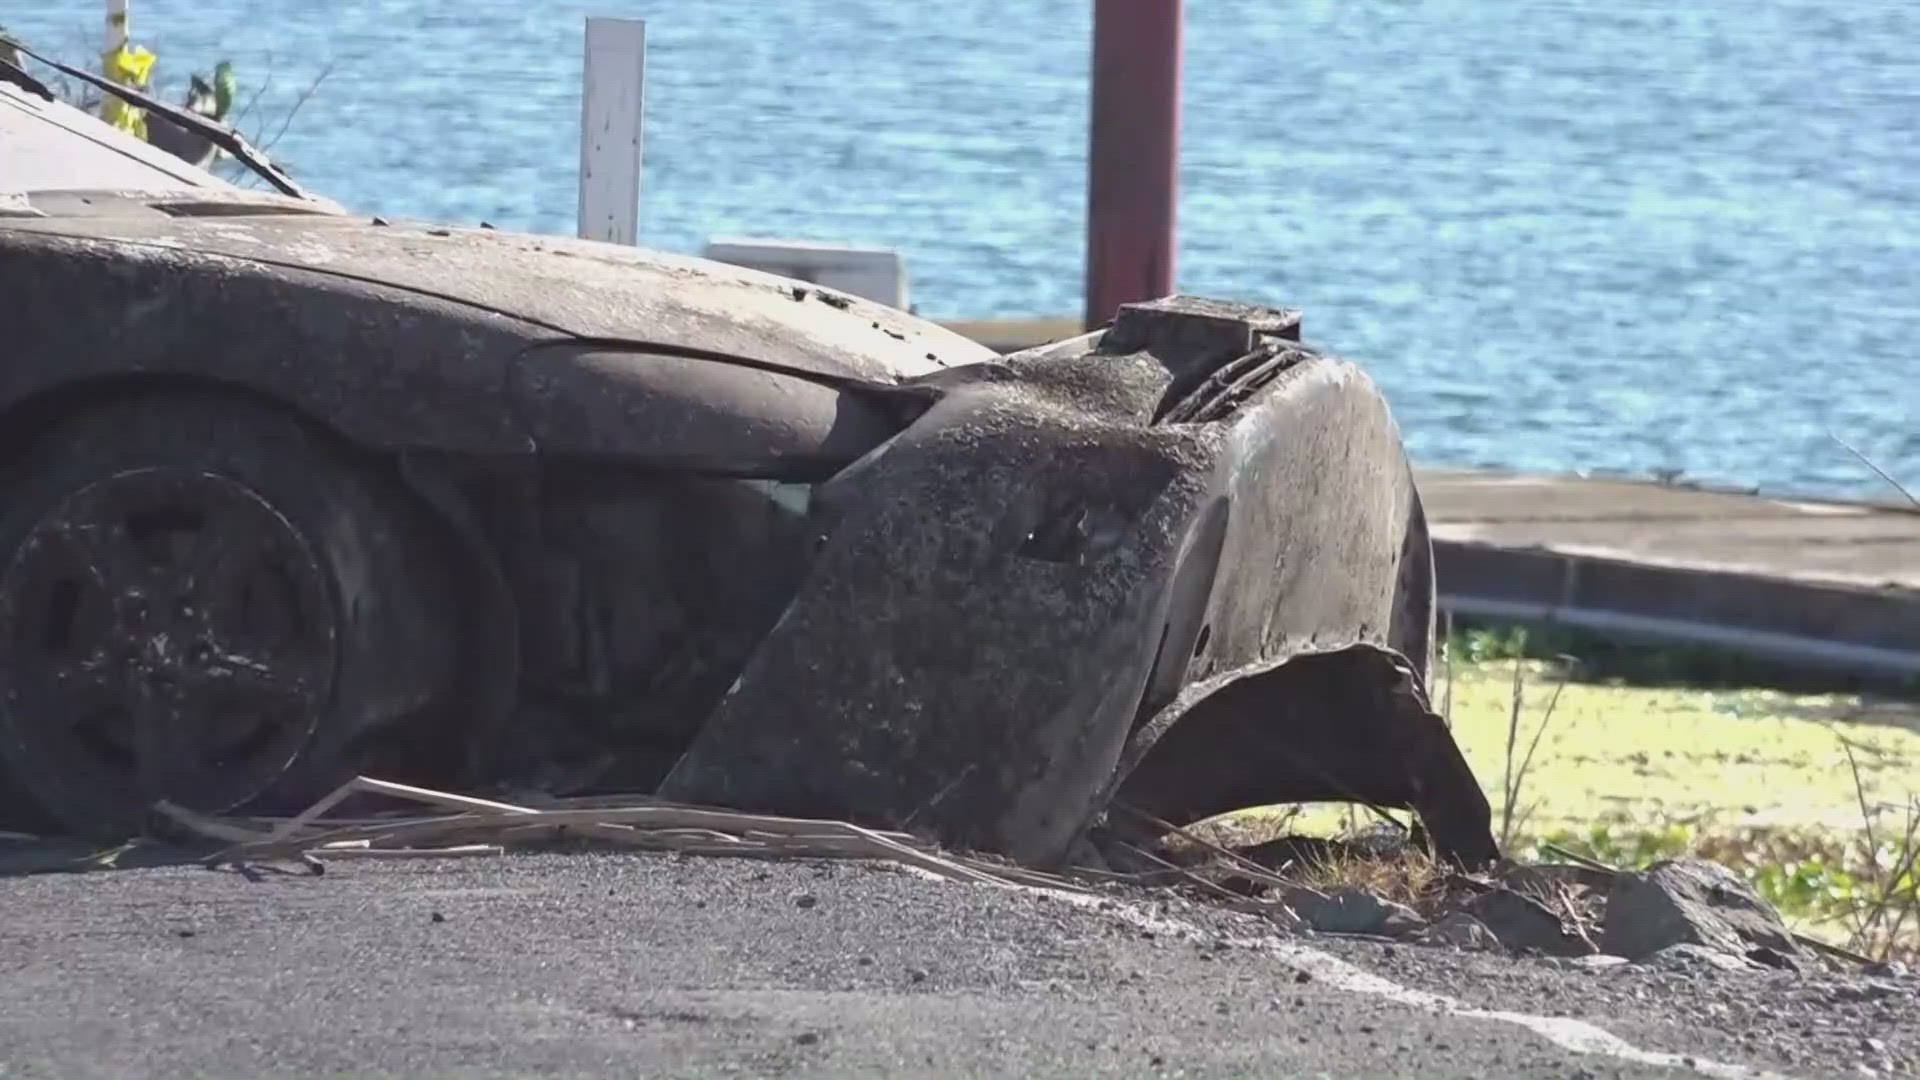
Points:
[[50, 146], [37, 102]]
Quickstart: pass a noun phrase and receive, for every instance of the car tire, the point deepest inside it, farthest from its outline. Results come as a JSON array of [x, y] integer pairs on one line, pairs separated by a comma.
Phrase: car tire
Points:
[[206, 599]]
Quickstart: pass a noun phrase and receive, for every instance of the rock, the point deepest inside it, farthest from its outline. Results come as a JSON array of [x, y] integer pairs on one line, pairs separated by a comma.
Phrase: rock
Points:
[[1353, 911], [1691, 902], [1688, 957], [1460, 930], [1521, 922], [1773, 958], [1864, 990]]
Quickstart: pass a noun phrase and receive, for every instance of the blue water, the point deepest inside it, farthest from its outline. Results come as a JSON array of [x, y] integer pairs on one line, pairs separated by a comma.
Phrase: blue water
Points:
[[1563, 234]]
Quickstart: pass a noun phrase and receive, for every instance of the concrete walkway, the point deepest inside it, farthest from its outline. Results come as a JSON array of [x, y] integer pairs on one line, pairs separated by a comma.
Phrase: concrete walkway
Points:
[[1834, 584]]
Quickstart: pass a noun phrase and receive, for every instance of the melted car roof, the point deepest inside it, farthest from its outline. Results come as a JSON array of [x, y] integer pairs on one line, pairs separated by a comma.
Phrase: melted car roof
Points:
[[79, 178]]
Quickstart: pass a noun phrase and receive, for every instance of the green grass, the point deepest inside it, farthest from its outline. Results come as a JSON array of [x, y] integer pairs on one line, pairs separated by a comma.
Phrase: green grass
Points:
[[1688, 757], [1812, 794]]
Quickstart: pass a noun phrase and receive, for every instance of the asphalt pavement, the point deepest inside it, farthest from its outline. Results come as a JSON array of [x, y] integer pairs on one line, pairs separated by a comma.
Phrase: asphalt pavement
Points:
[[616, 965]]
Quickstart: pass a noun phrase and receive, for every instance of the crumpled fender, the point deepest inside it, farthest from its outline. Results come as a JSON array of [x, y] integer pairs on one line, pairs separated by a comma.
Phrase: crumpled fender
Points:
[[998, 586], [1307, 677]]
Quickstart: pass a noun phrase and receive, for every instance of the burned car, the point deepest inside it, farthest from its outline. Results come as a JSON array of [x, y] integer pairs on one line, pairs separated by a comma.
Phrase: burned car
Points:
[[292, 493]]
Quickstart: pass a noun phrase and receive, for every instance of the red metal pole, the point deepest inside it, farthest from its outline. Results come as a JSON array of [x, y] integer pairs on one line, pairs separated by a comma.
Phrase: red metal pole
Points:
[[1133, 159]]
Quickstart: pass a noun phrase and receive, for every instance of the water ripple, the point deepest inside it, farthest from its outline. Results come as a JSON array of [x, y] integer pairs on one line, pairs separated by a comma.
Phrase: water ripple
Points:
[[1564, 235]]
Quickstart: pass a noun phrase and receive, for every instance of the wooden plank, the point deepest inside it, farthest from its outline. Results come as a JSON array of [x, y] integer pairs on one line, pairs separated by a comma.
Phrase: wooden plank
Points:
[[1861, 544], [612, 109]]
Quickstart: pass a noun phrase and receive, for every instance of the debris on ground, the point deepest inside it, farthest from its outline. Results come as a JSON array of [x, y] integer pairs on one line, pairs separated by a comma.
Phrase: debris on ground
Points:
[[1681, 915], [471, 826], [1460, 931], [1687, 957], [1353, 911], [1522, 923], [1691, 901]]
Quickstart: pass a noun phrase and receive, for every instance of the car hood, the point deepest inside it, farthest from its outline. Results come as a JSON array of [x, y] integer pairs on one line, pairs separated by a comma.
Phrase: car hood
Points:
[[578, 288]]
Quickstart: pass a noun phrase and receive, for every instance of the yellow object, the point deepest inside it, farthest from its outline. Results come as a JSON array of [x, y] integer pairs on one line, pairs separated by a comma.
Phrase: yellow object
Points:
[[128, 66]]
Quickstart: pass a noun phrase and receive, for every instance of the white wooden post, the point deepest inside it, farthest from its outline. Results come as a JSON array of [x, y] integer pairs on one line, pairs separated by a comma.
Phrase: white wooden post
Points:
[[612, 103], [116, 26]]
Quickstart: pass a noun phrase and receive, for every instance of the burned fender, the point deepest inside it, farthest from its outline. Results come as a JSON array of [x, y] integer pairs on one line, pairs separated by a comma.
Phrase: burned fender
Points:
[[644, 407], [1023, 592], [1307, 677], [383, 366]]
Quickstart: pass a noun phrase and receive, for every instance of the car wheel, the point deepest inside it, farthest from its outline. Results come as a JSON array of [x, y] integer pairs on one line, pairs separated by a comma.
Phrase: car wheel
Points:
[[206, 600]]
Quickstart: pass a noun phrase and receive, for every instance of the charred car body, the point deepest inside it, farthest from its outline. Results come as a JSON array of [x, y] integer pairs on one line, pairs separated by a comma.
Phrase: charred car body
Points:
[[291, 493]]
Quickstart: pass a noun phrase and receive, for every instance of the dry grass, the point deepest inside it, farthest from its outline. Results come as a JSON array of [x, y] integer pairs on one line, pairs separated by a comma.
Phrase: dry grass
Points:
[[1883, 913], [1513, 812], [1412, 877]]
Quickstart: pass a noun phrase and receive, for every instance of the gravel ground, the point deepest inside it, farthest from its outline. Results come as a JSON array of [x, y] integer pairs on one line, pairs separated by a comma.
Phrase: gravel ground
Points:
[[626, 965]]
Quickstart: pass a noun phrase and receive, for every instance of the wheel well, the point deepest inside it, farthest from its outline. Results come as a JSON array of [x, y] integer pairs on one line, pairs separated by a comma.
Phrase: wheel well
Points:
[[25, 420], [1348, 725]]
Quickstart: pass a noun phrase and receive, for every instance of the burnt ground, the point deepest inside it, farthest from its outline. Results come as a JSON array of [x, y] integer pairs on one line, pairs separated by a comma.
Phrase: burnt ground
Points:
[[639, 965]]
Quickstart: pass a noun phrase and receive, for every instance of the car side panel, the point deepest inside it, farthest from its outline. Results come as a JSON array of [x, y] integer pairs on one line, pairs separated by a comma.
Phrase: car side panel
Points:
[[964, 660], [384, 367]]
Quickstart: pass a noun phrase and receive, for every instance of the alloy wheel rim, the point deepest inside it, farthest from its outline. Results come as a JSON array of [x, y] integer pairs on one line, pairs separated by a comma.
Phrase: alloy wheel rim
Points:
[[164, 634]]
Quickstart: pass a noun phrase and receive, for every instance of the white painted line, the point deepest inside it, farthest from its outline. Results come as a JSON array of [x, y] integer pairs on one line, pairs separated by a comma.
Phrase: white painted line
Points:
[[1575, 1036]]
